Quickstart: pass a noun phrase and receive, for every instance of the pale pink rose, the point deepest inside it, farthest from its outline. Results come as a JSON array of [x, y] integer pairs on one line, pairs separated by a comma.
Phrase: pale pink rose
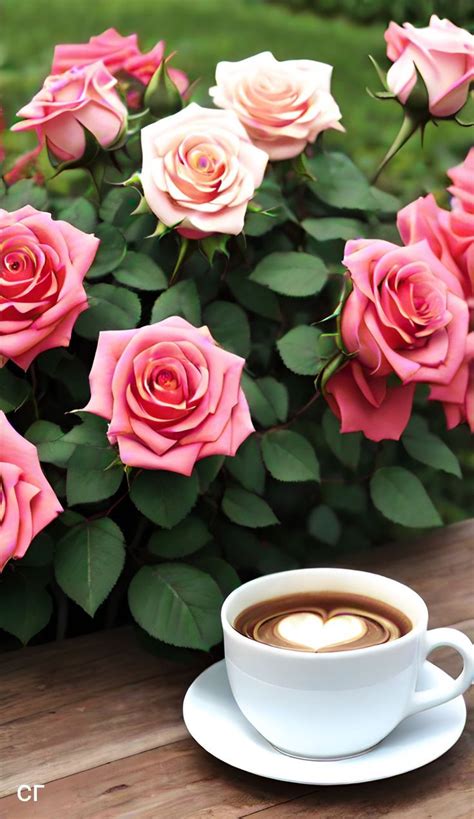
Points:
[[43, 262], [200, 171], [68, 103], [406, 313], [458, 396], [171, 394], [450, 235], [444, 56], [282, 105], [364, 402], [462, 189], [27, 501], [120, 54]]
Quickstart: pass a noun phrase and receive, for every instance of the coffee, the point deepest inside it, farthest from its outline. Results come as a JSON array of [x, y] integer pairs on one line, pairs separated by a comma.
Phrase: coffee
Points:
[[322, 622]]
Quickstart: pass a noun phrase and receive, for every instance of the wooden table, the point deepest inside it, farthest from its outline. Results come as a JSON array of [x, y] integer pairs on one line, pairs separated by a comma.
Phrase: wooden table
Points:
[[98, 722]]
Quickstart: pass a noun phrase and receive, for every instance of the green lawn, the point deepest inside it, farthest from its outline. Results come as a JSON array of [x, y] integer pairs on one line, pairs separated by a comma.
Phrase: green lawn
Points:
[[206, 31]]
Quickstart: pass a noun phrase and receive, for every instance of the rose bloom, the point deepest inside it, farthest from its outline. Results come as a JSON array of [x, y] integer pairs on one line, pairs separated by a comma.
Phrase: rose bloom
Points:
[[462, 189], [450, 235], [406, 316], [68, 103], [43, 262], [458, 396], [200, 170], [27, 501], [282, 105], [366, 403], [171, 394], [444, 56], [120, 54]]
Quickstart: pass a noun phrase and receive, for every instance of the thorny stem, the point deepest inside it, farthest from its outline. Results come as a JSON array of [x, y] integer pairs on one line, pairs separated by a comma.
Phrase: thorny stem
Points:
[[408, 127]]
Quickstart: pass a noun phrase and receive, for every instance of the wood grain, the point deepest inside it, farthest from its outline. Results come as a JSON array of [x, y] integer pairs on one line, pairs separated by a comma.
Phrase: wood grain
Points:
[[99, 721]]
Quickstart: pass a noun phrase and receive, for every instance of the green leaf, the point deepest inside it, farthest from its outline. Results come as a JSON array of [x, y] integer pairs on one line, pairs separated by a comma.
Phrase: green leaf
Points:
[[299, 349], [339, 182], [110, 308], [25, 607], [247, 509], [111, 251], [334, 227], [207, 469], [229, 325], [22, 193], [180, 300], [92, 475], [88, 562], [164, 497], [400, 496], [423, 446], [288, 456], [346, 447], [291, 274], [178, 604], [80, 213], [324, 525], [118, 204], [247, 466], [14, 391], [91, 432], [139, 271], [254, 297], [49, 441], [268, 399], [40, 551], [223, 573], [187, 537]]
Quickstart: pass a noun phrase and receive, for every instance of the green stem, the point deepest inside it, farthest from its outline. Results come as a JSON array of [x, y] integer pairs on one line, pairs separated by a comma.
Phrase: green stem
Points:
[[409, 127]]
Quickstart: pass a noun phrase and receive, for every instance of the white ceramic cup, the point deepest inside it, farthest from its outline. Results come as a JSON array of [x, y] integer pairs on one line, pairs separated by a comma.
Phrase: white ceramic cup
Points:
[[335, 704]]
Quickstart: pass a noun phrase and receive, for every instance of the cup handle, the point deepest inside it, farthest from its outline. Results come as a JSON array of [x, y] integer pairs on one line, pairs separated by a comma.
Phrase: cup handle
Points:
[[453, 638]]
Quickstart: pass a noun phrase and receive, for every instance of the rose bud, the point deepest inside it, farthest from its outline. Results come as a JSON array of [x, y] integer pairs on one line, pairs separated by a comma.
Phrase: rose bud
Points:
[[69, 105]]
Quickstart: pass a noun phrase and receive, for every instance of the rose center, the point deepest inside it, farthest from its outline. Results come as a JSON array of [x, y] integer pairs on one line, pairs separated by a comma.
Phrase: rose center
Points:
[[202, 161], [167, 380]]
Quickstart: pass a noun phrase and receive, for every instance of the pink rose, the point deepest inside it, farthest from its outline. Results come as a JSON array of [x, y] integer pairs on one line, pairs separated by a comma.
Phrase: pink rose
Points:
[[119, 54], [364, 402], [109, 47], [200, 170], [450, 235], [442, 53], [27, 501], [462, 188], [68, 103], [42, 265], [282, 105], [172, 395], [406, 313], [458, 396]]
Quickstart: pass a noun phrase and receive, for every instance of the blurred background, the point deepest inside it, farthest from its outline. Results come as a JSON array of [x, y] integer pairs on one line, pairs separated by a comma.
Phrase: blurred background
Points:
[[202, 32]]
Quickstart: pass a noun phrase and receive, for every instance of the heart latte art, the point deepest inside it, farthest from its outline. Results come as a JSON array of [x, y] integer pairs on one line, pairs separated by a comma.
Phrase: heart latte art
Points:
[[322, 622]]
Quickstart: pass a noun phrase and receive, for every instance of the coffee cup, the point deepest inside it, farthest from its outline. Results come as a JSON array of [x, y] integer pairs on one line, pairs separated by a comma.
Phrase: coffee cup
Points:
[[340, 703]]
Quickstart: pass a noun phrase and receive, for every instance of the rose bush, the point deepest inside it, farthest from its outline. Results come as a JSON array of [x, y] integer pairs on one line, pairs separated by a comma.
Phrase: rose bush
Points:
[[267, 369]]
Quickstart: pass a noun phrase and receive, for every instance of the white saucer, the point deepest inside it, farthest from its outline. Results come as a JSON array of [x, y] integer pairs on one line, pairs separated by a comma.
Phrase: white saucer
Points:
[[216, 723]]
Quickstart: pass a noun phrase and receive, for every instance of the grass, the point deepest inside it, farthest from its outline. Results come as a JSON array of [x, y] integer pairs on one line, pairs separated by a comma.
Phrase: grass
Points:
[[206, 31]]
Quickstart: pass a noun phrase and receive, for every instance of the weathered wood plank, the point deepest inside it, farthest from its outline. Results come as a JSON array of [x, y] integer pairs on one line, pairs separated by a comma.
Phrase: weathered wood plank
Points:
[[438, 566], [46, 677], [176, 782], [94, 717], [93, 730], [180, 781]]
